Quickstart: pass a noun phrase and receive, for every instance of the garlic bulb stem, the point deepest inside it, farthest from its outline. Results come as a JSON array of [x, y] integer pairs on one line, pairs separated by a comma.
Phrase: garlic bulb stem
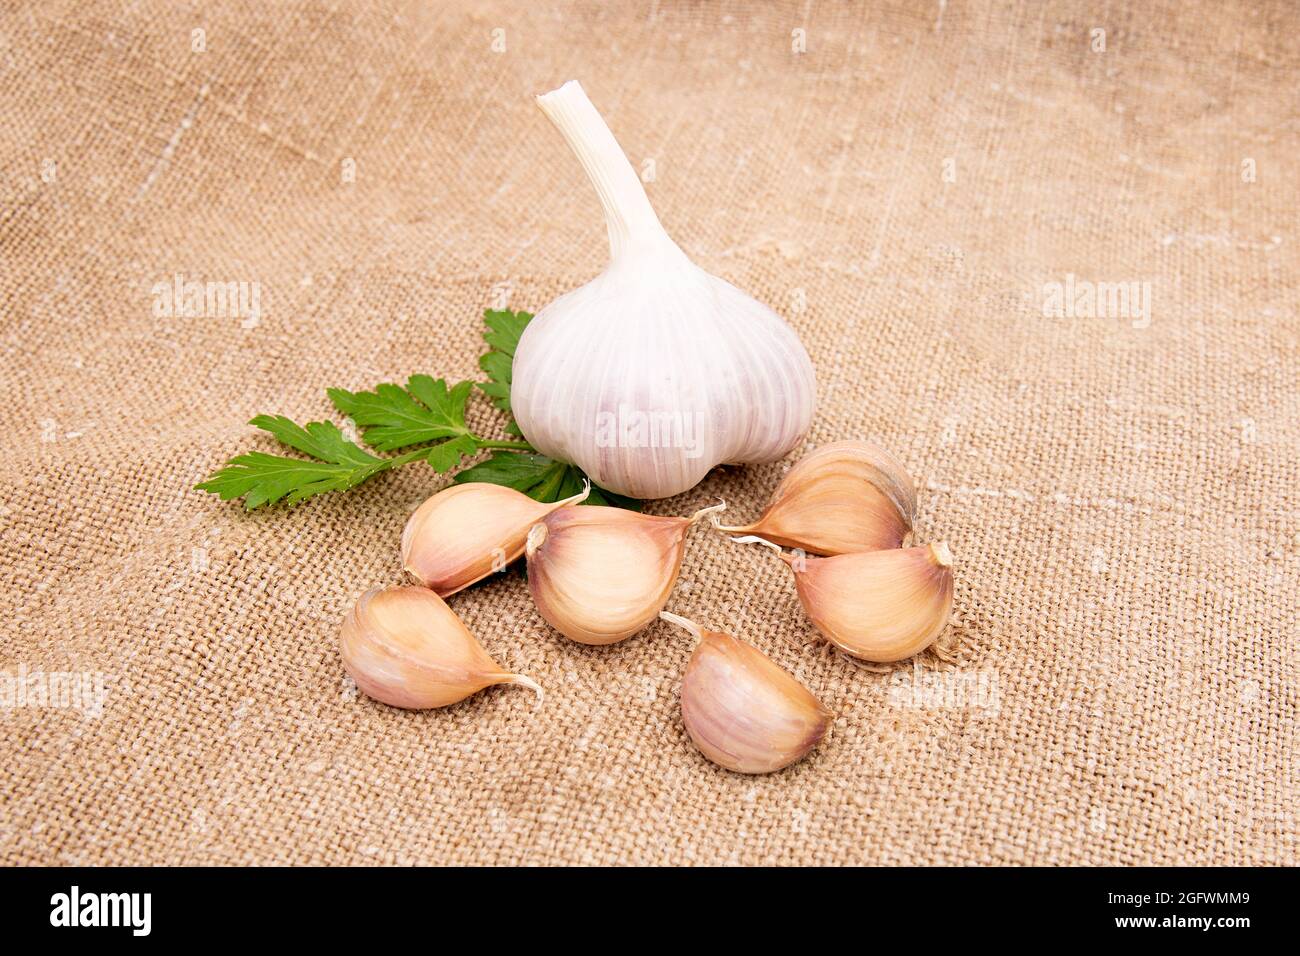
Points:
[[630, 218]]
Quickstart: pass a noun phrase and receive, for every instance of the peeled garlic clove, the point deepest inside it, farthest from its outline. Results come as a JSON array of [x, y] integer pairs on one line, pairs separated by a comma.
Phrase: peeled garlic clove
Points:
[[465, 532], [879, 606], [843, 497], [405, 647], [599, 575], [655, 371], [743, 711]]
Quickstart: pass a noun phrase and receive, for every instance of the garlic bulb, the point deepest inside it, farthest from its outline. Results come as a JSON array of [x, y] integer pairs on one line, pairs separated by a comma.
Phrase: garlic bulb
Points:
[[843, 497], [465, 532], [655, 371], [405, 647], [878, 606], [599, 575], [741, 709]]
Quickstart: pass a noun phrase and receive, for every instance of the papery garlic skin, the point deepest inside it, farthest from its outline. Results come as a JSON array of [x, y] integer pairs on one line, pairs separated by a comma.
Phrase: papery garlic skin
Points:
[[599, 575], [741, 709], [843, 497], [879, 606], [405, 647], [655, 371], [465, 532]]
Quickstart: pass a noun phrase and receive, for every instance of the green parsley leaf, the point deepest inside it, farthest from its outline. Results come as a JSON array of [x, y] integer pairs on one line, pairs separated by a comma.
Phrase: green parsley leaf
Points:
[[393, 417], [504, 329], [542, 478], [447, 455], [262, 479], [427, 413], [516, 470]]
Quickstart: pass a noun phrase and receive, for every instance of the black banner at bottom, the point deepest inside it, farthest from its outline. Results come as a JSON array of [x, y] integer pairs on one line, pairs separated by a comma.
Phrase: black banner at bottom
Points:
[[339, 906]]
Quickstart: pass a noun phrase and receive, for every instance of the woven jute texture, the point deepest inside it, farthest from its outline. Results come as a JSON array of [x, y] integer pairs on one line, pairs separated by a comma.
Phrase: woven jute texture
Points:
[[909, 184]]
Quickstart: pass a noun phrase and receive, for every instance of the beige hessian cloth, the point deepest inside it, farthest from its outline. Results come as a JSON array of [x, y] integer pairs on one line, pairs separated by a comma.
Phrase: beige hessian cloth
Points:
[[912, 191]]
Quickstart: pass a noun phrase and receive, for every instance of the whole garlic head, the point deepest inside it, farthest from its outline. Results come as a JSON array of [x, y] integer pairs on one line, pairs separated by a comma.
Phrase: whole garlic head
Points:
[[655, 371]]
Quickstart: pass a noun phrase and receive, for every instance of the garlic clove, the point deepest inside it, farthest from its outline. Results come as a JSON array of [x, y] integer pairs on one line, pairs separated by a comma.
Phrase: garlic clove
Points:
[[742, 710], [599, 575], [655, 371], [878, 606], [465, 532], [405, 647], [843, 497]]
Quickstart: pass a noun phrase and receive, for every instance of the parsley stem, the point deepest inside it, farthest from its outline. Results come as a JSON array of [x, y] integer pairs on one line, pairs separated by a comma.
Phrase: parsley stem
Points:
[[406, 459], [515, 445]]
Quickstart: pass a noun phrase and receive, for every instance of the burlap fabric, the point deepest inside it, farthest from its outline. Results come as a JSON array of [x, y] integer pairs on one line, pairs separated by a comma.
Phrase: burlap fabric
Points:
[[1120, 489]]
